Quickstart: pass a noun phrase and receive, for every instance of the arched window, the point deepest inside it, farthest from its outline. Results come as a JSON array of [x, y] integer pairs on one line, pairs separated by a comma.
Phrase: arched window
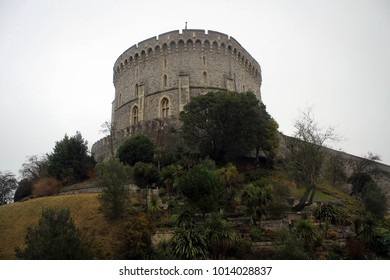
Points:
[[134, 115], [136, 90], [164, 107]]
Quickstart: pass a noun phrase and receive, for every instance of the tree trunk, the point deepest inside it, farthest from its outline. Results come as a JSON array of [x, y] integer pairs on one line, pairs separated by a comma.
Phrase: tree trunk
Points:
[[302, 202], [313, 191]]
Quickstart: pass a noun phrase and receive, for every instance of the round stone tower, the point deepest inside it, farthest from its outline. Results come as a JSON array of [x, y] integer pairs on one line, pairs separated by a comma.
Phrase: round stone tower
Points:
[[156, 78]]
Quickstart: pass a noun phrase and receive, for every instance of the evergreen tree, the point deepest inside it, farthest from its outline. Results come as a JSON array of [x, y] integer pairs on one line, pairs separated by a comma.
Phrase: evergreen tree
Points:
[[54, 238], [70, 162]]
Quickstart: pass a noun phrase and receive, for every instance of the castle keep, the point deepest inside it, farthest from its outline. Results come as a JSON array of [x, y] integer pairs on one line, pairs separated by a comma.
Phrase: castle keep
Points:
[[156, 78]]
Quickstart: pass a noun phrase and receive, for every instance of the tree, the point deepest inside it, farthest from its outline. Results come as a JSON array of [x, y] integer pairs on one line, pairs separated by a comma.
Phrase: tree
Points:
[[112, 176], [335, 168], [257, 197], [34, 168], [145, 174], [267, 135], [70, 161], [108, 128], [202, 187], [54, 238], [135, 149], [225, 125], [358, 181], [306, 154], [8, 185], [32, 171], [24, 190], [374, 200]]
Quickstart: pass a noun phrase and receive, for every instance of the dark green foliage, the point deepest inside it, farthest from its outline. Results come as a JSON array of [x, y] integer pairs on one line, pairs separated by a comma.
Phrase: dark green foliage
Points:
[[257, 197], [145, 174], [331, 213], [289, 246], [136, 149], [112, 177], [8, 185], [23, 190], [202, 187], [54, 238], [168, 175], [365, 228], [374, 199], [225, 125], [308, 232], [220, 237], [381, 244], [188, 244], [256, 234], [70, 162], [358, 181]]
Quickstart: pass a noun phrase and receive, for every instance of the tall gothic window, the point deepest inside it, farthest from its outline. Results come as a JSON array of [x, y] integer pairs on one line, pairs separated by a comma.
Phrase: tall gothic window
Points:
[[134, 115], [136, 90], [164, 107]]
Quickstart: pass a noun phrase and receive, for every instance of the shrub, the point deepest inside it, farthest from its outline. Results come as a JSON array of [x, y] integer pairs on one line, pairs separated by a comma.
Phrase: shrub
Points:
[[138, 234], [256, 233], [330, 213], [135, 149], [202, 187], [112, 177], [45, 187], [289, 247], [169, 174], [374, 200], [24, 190], [54, 238], [145, 174]]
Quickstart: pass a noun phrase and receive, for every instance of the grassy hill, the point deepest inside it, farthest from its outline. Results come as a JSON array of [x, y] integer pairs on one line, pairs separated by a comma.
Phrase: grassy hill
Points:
[[15, 219]]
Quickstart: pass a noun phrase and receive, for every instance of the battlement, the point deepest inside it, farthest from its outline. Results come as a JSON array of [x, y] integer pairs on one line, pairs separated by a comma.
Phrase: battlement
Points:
[[186, 40]]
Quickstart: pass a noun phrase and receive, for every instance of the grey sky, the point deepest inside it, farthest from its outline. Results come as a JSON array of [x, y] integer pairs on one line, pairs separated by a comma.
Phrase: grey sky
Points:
[[57, 58]]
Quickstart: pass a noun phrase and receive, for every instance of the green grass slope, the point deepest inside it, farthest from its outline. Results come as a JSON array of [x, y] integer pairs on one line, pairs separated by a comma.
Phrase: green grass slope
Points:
[[96, 229]]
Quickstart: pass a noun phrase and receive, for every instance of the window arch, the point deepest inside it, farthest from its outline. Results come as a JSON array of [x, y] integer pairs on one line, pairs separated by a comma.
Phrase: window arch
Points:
[[134, 115], [164, 104]]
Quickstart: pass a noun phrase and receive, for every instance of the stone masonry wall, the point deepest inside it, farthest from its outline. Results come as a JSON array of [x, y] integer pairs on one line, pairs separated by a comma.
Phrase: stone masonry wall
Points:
[[177, 65]]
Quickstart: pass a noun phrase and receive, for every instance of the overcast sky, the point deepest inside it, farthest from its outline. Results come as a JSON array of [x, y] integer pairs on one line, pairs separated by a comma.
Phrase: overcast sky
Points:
[[56, 60]]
